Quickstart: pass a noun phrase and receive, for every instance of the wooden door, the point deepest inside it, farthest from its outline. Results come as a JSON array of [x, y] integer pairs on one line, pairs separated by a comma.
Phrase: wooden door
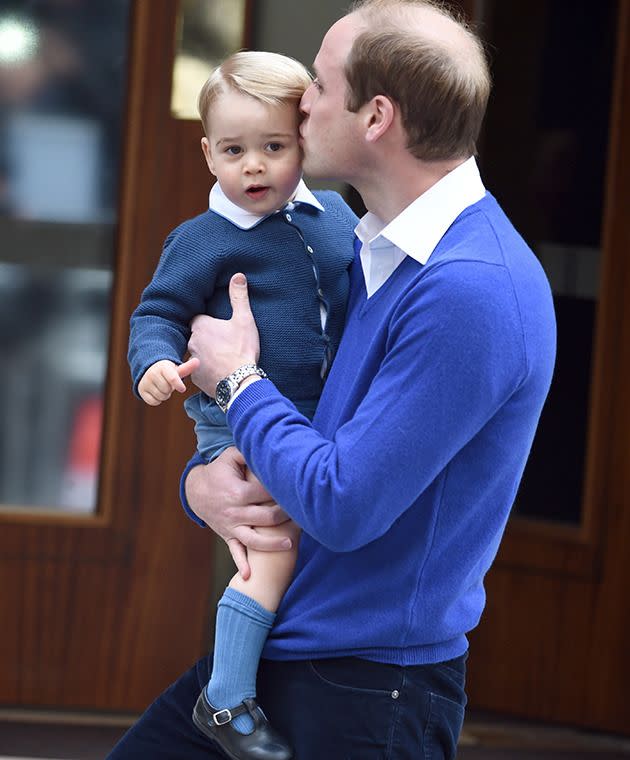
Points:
[[102, 611], [552, 643]]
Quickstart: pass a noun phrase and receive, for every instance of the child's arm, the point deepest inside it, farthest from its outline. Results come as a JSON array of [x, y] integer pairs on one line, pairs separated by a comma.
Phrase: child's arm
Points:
[[164, 377], [178, 290]]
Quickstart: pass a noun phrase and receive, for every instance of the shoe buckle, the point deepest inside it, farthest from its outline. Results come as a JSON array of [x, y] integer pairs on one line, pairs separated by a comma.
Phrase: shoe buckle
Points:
[[222, 717]]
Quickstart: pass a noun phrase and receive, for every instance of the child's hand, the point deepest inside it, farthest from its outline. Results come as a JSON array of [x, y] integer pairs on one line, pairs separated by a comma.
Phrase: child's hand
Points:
[[164, 377]]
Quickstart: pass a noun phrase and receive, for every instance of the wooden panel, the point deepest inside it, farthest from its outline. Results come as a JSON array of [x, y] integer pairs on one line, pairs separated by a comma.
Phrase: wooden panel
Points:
[[526, 652]]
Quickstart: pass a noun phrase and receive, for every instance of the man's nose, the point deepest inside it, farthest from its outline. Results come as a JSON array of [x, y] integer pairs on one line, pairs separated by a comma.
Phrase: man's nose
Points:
[[305, 102]]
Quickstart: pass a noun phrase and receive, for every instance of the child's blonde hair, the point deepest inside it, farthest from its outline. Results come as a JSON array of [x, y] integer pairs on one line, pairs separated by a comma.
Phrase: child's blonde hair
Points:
[[269, 77]]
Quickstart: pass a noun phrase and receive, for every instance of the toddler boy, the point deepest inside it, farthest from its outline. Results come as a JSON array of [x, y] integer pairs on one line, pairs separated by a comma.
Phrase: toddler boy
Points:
[[295, 248]]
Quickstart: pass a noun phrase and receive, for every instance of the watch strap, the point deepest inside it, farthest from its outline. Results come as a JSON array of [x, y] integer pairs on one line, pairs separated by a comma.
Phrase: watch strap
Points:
[[244, 371], [227, 388]]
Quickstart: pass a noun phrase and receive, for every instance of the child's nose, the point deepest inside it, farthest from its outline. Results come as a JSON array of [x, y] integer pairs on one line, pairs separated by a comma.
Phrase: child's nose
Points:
[[254, 164]]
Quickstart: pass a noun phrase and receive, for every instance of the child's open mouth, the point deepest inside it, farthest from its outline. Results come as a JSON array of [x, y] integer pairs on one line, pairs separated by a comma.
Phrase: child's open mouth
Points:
[[257, 191]]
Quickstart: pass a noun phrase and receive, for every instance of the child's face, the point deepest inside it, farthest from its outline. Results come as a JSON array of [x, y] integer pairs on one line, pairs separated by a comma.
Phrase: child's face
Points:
[[253, 151]]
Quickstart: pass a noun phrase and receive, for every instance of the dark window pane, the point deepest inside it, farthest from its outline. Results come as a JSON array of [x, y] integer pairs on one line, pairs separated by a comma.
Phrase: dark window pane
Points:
[[543, 154]]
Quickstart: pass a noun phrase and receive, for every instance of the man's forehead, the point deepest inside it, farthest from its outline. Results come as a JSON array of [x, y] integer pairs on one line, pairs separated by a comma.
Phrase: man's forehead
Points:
[[336, 44]]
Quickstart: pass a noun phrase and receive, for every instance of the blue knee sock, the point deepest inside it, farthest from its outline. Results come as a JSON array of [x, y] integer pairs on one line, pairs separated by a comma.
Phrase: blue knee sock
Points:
[[242, 626]]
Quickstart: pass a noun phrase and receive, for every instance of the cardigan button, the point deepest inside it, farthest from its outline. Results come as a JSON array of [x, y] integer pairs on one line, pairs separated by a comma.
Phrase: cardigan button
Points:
[[288, 217], [309, 249]]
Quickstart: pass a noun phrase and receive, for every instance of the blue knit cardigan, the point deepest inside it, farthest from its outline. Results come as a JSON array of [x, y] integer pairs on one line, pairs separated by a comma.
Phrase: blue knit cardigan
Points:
[[294, 261]]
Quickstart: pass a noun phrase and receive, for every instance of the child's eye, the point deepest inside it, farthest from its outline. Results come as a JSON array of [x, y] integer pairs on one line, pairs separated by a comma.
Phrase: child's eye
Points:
[[274, 147], [233, 150], [317, 84]]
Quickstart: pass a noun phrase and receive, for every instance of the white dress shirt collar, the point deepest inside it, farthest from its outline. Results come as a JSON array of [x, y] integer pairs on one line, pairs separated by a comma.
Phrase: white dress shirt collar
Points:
[[418, 229], [222, 205]]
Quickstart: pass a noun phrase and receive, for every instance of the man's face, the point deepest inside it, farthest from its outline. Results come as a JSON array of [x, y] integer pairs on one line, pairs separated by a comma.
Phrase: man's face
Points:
[[329, 131]]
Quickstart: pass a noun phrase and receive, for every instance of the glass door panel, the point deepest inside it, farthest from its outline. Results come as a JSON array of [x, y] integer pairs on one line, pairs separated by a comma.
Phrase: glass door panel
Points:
[[62, 96], [543, 154], [207, 32]]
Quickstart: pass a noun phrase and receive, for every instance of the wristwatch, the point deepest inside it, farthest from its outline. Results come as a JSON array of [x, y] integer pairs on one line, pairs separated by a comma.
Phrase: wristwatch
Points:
[[227, 387]]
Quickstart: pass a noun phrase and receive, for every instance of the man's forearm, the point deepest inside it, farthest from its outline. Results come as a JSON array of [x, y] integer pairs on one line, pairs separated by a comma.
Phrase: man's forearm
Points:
[[425, 400]]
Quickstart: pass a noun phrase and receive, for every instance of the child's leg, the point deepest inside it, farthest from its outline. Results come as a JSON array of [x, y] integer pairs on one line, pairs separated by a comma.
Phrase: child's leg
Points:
[[271, 571], [245, 616]]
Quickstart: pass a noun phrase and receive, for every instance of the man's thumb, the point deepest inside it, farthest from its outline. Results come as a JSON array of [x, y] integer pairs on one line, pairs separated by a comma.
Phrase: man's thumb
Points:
[[238, 295]]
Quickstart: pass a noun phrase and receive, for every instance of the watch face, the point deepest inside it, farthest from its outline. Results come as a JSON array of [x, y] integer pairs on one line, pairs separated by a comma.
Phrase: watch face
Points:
[[223, 394]]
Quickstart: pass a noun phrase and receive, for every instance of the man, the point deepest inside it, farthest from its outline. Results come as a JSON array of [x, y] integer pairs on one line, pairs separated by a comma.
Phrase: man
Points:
[[404, 481]]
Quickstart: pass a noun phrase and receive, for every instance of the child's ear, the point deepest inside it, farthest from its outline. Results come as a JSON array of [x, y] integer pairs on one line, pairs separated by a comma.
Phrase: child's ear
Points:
[[205, 149]]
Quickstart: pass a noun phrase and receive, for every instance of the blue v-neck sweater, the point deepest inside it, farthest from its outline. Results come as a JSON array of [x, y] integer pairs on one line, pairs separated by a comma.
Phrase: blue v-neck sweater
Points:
[[404, 482]]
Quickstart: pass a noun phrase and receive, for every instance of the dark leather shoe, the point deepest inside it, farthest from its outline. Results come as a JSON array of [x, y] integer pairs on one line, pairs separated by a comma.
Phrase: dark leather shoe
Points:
[[264, 743]]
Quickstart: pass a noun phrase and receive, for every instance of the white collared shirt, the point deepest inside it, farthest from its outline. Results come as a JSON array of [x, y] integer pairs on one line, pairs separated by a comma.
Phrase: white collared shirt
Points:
[[418, 229], [223, 206]]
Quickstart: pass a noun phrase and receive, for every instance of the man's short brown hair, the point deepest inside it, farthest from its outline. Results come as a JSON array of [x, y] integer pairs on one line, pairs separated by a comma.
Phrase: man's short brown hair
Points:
[[441, 88]]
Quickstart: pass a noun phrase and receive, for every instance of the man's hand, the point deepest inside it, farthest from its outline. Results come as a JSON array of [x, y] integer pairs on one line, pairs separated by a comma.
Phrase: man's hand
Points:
[[164, 377], [233, 504], [224, 345]]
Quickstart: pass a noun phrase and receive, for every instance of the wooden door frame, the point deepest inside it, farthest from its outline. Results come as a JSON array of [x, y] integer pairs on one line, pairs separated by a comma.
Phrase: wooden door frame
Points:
[[605, 701]]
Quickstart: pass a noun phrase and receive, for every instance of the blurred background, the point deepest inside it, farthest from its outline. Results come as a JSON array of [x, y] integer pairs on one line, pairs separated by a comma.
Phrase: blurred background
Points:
[[62, 98]]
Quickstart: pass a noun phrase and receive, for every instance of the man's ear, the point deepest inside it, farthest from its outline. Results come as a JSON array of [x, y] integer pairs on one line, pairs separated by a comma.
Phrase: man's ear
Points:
[[380, 115], [205, 149]]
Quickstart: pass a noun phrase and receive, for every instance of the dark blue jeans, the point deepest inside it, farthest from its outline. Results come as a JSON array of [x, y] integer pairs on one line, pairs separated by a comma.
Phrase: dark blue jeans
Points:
[[338, 709]]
